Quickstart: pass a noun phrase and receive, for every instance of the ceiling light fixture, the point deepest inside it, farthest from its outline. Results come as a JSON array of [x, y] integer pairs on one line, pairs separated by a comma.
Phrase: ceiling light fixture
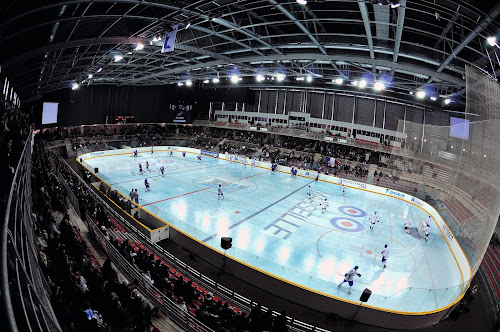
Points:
[[447, 101], [206, 81], [433, 98], [215, 80], [379, 86], [492, 40], [90, 76], [139, 47], [420, 94], [75, 86], [339, 81], [189, 83], [259, 78], [235, 79], [309, 78], [302, 2], [280, 77], [118, 58], [362, 84], [99, 70]]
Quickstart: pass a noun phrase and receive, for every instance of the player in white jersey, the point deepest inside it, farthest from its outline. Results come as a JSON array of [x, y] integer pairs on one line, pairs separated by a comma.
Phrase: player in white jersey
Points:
[[162, 171], [245, 162], [385, 256], [253, 162], [427, 231], [324, 205], [373, 220], [171, 153], [309, 192], [219, 192], [342, 190], [231, 158], [407, 225], [349, 277], [151, 149]]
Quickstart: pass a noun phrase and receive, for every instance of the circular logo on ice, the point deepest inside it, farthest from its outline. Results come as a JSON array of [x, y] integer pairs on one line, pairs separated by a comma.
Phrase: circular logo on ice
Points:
[[228, 184], [346, 224], [352, 211]]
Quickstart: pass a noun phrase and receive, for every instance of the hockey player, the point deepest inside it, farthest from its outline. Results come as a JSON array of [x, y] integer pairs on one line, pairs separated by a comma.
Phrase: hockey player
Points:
[[146, 183], [253, 162], [171, 153], [199, 158], [407, 225], [309, 192], [135, 153], [385, 256], [373, 220], [274, 166], [349, 277], [220, 193], [162, 171], [151, 149], [292, 171], [245, 162], [140, 168], [342, 190], [231, 158], [324, 205], [147, 166], [184, 153], [427, 231]]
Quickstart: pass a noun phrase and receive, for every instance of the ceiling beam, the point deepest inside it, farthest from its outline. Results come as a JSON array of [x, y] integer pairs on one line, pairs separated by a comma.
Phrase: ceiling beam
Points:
[[399, 31], [368, 31], [494, 12]]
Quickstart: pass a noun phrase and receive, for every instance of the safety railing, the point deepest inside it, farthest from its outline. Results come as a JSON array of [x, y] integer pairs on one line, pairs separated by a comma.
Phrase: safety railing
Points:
[[25, 292]]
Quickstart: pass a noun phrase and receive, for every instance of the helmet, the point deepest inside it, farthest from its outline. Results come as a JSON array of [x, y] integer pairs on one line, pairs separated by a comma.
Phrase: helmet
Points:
[[386, 245], [356, 267]]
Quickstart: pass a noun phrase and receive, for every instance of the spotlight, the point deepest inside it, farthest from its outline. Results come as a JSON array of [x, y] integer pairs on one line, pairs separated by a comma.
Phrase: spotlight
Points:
[[189, 83], [379, 86], [309, 78], [339, 81], [395, 4], [411, 92], [433, 98], [280, 77], [492, 40], [215, 80], [180, 84], [447, 101], [75, 86], [118, 58], [188, 25], [362, 84], [155, 39], [206, 81], [299, 78], [259, 78], [302, 2], [354, 83], [139, 47], [420, 94], [99, 70], [90, 76], [235, 79]]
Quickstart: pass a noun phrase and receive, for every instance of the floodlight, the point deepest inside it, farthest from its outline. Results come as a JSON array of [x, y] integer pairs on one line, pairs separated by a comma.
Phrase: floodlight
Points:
[[155, 39], [99, 70], [180, 84], [492, 40], [90, 76], [309, 78], [302, 2], [75, 86], [362, 84], [354, 83], [421, 94], [379, 86], [118, 58], [235, 79], [189, 83], [188, 25], [139, 47], [206, 81], [339, 80], [447, 101], [215, 80], [259, 78], [299, 78], [433, 98], [280, 77]]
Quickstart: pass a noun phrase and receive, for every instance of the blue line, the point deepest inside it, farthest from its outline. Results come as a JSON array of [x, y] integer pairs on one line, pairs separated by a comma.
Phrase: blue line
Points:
[[260, 211]]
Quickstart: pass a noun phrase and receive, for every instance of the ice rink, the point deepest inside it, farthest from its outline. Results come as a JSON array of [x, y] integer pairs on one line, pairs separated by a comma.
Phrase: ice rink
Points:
[[277, 229]]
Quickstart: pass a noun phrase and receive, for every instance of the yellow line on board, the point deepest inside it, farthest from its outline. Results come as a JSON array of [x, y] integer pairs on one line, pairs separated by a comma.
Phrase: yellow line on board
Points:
[[307, 288]]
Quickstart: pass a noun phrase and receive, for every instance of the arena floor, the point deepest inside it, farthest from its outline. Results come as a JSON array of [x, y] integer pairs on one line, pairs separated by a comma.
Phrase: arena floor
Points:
[[277, 229]]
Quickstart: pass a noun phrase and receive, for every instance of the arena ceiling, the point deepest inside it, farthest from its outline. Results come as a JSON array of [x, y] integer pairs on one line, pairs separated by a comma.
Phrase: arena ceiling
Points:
[[408, 45]]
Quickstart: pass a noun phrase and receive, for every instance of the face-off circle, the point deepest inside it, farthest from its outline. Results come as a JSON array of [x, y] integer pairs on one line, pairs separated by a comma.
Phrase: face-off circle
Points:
[[352, 211], [346, 224]]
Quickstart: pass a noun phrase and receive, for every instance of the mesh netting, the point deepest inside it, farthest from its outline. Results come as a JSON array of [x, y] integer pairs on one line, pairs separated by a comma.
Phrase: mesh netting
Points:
[[461, 177]]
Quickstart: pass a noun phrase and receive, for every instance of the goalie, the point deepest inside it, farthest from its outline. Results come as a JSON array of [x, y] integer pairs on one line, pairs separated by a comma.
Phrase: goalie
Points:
[[349, 277]]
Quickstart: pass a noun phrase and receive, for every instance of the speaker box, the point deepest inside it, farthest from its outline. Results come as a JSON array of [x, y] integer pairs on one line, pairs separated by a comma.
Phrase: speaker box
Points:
[[365, 296], [96, 170], [226, 243], [81, 160]]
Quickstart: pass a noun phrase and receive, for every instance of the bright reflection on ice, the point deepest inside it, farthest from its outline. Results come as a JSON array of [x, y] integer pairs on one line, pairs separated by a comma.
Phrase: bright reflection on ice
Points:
[[242, 238], [259, 246], [326, 268], [284, 254]]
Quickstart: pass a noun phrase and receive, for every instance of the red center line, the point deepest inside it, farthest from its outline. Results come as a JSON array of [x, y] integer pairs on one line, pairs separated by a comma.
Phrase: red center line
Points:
[[251, 176], [166, 199]]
